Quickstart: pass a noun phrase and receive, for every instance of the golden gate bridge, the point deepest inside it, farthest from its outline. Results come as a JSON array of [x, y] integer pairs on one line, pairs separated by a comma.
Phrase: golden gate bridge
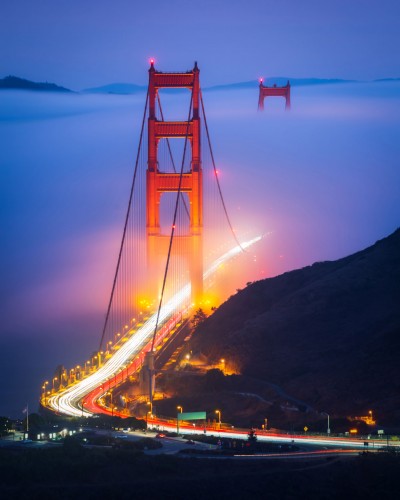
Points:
[[177, 237]]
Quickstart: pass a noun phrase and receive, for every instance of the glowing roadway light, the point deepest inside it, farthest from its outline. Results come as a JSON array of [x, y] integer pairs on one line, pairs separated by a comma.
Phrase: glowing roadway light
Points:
[[68, 401]]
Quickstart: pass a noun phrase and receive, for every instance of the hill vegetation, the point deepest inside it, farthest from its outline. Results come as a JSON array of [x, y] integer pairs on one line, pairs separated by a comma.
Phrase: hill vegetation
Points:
[[13, 82], [327, 334]]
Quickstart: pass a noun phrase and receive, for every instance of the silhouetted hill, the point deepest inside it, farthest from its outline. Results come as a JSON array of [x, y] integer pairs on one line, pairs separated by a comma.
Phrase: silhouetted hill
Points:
[[131, 88], [13, 82], [327, 334], [280, 81], [117, 88]]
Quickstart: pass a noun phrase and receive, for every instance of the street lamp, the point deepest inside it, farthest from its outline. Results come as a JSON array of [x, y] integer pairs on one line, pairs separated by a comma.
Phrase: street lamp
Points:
[[54, 379], [44, 390], [328, 430], [111, 399], [219, 417], [177, 419], [147, 415]]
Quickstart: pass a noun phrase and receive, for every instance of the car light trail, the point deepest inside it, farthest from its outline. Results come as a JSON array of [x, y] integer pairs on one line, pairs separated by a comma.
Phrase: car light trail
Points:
[[69, 401], [188, 429]]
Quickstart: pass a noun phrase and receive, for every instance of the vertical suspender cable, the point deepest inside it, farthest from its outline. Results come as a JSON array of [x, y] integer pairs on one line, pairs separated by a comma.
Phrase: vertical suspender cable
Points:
[[216, 176], [126, 223]]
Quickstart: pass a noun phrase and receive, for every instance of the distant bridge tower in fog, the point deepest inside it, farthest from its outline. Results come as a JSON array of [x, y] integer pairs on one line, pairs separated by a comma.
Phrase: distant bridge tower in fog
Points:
[[273, 91]]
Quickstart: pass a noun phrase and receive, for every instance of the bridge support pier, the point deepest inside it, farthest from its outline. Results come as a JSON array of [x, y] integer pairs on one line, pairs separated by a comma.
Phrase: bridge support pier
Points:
[[147, 376]]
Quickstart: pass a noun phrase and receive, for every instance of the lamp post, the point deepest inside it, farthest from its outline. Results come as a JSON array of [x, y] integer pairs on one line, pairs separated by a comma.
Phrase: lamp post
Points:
[[328, 430], [111, 402], [147, 414], [177, 419], [54, 379], [371, 420], [219, 418], [44, 391]]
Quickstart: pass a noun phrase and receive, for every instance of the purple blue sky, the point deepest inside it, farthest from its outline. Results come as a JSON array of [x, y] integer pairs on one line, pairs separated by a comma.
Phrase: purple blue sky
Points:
[[86, 43], [323, 179]]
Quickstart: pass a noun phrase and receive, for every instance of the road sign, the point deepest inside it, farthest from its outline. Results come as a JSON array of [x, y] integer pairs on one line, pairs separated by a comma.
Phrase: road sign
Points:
[[194, 415]]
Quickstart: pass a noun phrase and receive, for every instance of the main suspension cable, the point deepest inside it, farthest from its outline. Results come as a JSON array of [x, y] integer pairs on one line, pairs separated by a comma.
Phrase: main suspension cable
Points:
[[125, 225], [216, 176]]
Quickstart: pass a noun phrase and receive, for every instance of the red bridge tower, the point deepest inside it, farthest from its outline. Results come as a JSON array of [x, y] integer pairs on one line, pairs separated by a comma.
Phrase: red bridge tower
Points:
[[274, 91], [159, 182]]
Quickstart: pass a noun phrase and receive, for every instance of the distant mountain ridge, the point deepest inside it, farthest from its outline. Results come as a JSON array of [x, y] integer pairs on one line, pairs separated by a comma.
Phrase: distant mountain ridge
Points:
[[280, 81], [116, 88], [130, 88], [14, 82]]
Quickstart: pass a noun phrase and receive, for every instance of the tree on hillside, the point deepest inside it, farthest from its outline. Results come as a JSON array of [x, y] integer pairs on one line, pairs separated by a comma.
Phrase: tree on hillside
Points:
[[199, 317], [5, 426], [252, 438]]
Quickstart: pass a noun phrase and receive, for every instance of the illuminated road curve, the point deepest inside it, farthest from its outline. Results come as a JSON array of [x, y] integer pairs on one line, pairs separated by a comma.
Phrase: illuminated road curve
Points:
[[325, 441], [69, 401]]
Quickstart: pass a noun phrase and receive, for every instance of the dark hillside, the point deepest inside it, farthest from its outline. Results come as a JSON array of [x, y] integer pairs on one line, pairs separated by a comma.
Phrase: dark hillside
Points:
[[328, 334], [16, 83]]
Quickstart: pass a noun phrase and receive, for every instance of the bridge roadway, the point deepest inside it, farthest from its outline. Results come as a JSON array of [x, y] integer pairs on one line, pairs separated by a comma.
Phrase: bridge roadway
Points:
[[80, 398]]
